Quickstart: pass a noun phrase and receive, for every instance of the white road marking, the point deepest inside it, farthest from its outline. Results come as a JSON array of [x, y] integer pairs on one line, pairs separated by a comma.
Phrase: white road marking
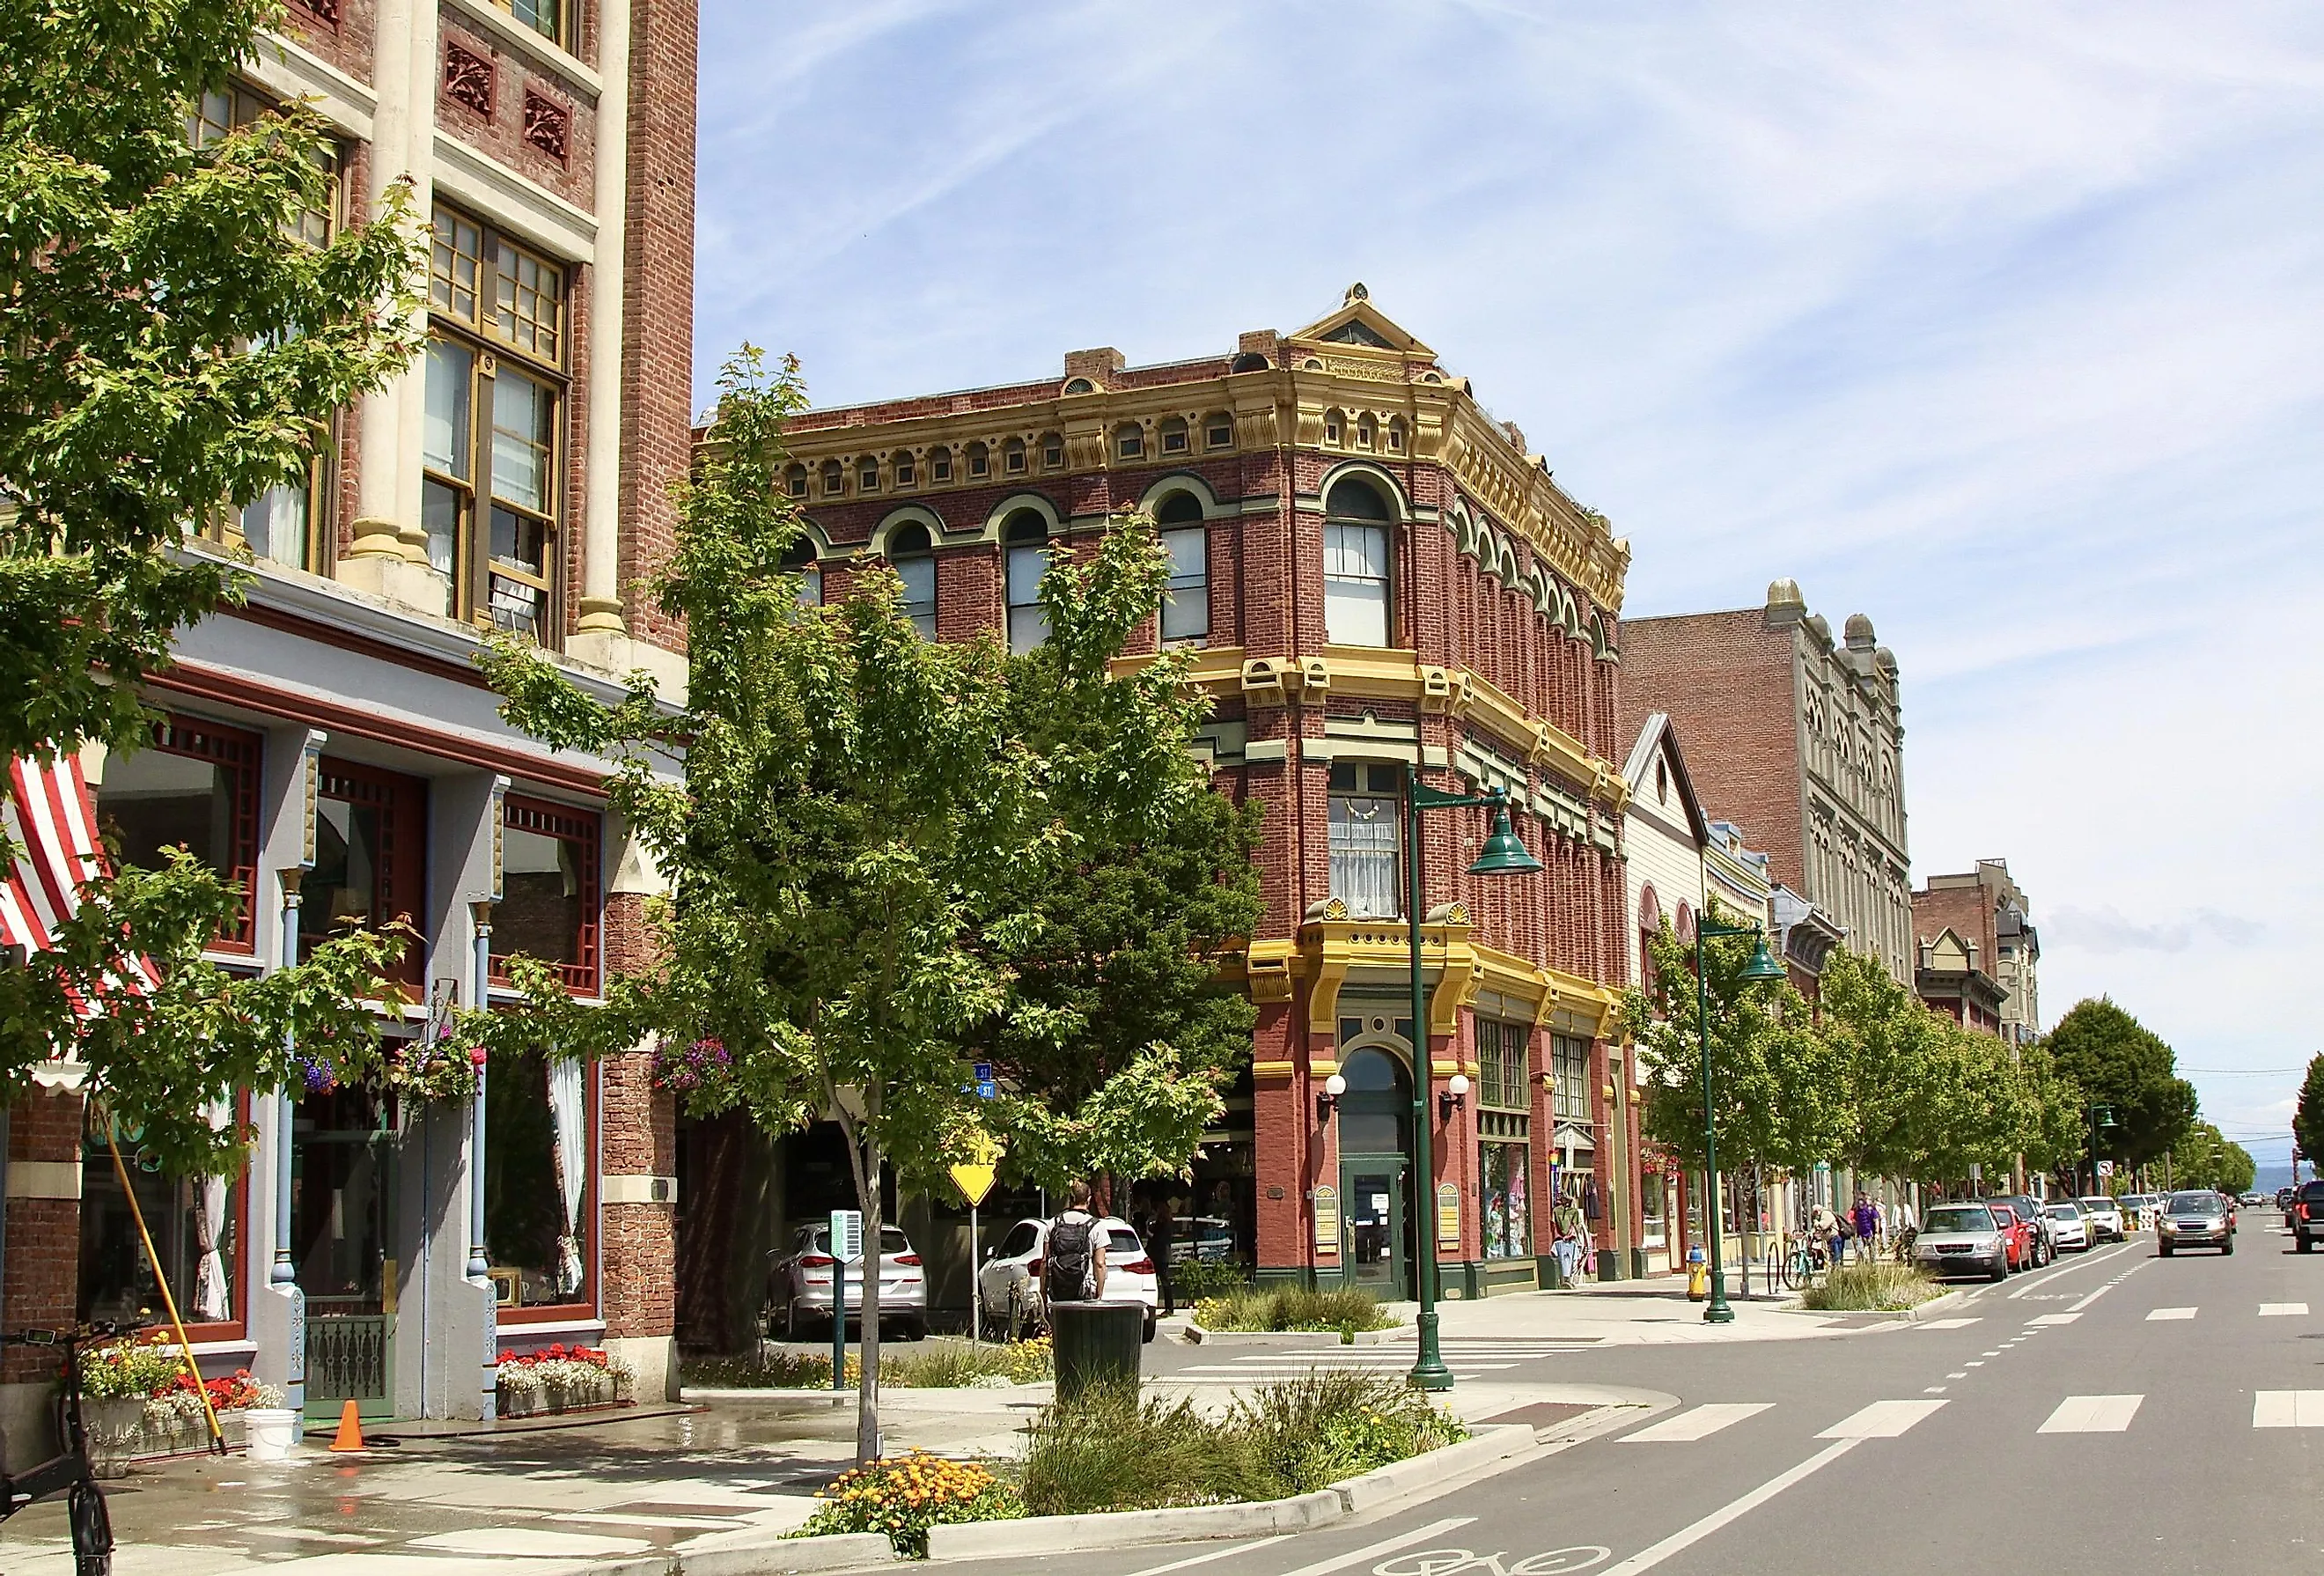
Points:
[[1385, 1546], [2055, 1271], [2284, 1310], [2092, 1414], [2059, 1318], [1978, 1363], [2109, 1285], [1934, 1390], [1948, 1323], [1881, 1420], [2160, 1314], [1646, 1559], [1992, 1354], [1701, 1422], [2288, 1409], [1957, 1375], [1213, 1554]]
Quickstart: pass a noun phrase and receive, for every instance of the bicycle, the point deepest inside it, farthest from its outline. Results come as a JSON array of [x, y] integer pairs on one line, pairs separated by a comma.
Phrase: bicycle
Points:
[[70, 1472], [1902, 1252], [1805, 1261]]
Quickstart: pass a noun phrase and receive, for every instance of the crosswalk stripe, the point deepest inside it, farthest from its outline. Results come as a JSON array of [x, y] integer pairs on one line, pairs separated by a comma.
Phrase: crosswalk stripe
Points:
[[2092, 1414], [2057, 1318], [2159, 1314], [2284, 1310], [2288, 1409], [1881, 1420], [1700, 1423], [1948, 1324]]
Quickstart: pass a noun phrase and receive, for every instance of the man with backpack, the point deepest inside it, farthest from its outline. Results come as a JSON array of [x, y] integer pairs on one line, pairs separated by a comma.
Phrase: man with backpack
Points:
[[1072, 1258]]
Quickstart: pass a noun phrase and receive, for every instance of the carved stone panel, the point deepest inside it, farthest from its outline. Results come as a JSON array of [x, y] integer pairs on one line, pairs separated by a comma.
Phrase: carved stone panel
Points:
[[470, 79]]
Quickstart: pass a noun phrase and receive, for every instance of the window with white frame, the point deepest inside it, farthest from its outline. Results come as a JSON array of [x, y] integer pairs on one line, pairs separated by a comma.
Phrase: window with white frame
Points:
[[1366, 837], [1025, 541], [1358, 572], [914, 557], [1569, 1078], [1186, 604]]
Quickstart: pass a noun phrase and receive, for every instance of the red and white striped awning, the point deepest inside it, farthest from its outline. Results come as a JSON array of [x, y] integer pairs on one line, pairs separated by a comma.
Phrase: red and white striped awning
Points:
[[51, 823]]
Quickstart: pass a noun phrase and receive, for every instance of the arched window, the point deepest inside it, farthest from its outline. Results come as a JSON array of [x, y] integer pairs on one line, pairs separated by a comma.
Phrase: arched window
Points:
[[867, 473], [979, 460], [1013, 457], [940, 465], [835, 479], [1080, 386], [1395, 434], [1218, 430], [1186, 605], [1375, 1115], [795, 481], [1025, 539], [1052, 451], [914, 557], [1356, 565], [1334, 424], [798, 558], [906, 469], [1128, 441], [1173, 435], [1366, 431]]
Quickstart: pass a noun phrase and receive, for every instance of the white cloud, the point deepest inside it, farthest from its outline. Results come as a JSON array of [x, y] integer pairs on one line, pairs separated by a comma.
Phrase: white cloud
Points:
[[1995, 321]]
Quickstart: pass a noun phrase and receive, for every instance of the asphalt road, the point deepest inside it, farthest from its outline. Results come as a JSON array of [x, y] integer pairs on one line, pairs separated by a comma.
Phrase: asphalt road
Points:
[[2118, 1413]]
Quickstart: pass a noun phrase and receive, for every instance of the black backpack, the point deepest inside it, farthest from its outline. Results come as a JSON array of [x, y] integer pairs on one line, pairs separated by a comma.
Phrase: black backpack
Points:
[[1068, 1265]]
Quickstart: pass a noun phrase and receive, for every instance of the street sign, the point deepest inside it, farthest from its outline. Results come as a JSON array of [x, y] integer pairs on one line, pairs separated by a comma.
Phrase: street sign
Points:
[[2106, 1168], [984, 1072], [986, 1089], [846, 1234], [1448, 1215], [974, 1182]]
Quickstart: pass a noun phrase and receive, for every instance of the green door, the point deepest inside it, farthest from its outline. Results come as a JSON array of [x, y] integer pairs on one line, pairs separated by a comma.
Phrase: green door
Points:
[[342, 1223], [1374, 1254]]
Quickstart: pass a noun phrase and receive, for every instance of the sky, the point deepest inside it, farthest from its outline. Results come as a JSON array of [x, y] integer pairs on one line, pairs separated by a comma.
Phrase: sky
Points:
[[2002, 324]]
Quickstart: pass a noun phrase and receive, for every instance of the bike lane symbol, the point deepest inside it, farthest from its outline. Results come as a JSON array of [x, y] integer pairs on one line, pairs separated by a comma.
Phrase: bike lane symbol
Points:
[[1455, 1562]]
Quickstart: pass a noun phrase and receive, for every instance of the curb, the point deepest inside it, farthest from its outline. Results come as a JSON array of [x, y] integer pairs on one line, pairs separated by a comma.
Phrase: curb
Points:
[[1488, 1442], [1123, 1529], [760, 1556], [1936, 1306], [1196, 1335]]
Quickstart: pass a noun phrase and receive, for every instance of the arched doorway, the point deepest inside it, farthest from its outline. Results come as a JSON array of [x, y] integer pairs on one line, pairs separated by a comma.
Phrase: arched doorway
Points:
[[1375, 1118]]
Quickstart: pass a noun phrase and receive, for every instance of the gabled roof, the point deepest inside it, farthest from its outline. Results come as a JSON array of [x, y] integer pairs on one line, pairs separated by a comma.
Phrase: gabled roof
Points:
[[1360, 324], [1659, 737]]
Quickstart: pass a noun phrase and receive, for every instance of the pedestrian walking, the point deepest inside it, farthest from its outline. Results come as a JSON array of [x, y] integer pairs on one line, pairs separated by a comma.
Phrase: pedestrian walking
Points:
[[1073, 1258], [1867, 1221], [1571, 1235], [1159, 1247], [1826, 1225]]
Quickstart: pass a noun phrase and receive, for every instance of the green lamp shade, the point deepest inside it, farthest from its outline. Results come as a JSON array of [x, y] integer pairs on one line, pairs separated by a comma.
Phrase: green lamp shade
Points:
[[1762, 968], [1504, 855]]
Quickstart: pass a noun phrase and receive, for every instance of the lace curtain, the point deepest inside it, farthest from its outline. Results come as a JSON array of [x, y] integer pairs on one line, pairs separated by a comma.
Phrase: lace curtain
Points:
[[572, 1135]]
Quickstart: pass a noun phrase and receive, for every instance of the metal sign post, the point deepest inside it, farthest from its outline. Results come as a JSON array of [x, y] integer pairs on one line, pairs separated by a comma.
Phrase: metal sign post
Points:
[[846, 1243]]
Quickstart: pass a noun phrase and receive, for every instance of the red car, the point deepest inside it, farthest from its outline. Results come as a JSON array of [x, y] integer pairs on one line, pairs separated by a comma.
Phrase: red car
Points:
[[2016, 1232]]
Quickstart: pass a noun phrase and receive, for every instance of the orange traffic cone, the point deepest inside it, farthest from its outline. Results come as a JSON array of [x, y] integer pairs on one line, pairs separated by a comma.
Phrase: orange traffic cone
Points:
[[350, 1436]]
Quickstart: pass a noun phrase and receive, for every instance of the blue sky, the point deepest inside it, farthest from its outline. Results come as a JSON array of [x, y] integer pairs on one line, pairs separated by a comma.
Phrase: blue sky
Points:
[[2002, 324]]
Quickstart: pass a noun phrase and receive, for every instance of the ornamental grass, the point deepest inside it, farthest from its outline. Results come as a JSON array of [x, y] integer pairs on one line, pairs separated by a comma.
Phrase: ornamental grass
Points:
[[1870, 1288], [1285, 1308]]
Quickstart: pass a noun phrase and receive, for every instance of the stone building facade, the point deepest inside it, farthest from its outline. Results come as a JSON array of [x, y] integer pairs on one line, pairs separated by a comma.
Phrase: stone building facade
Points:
[[331, 747], [1800, 738], [1992, 924], [1376, 576]]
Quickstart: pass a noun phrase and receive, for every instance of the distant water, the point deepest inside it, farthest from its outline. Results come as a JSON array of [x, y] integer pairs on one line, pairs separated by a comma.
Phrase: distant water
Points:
[[2271, 1177]]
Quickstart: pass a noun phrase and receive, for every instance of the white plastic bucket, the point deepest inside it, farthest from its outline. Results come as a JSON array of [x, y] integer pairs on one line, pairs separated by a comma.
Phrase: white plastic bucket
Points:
[[272, 1433]]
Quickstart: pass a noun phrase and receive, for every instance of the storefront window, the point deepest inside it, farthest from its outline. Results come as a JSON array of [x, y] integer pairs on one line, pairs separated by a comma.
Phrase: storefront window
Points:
[[370, 838], [194, 786], [537, 1132], [548, 891], [1509, 1207], [192, 1224], [1505, 1132], [340, 1199]]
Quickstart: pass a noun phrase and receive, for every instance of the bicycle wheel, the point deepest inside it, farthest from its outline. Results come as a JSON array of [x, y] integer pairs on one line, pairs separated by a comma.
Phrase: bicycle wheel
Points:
[[92, 1530]]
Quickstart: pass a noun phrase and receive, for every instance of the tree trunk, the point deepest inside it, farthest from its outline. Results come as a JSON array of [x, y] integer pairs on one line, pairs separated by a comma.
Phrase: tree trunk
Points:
[[863, 1154]]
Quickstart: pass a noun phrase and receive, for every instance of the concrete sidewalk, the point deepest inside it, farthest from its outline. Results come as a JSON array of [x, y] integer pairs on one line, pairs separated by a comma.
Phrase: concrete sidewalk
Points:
[[1630, 1312]]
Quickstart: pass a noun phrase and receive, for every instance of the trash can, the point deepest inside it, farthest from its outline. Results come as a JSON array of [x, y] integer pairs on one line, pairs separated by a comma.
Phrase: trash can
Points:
[[1096, 1343]]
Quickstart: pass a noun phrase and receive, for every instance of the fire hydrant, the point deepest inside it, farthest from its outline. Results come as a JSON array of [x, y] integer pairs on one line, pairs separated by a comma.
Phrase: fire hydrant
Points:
[[1698, 1276]]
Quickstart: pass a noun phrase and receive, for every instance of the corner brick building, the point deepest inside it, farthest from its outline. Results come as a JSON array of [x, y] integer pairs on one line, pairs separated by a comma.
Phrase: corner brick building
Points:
[[331, 747], [1978, 955], [1376, 575], [1799, 739]]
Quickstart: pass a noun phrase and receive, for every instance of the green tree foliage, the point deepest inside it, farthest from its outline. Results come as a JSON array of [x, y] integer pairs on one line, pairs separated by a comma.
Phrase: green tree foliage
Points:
[[169, 348], [2307, 1117], [2117, 1061], [870, 833], [1774, 1087], [2204, 1157], [166, 349]]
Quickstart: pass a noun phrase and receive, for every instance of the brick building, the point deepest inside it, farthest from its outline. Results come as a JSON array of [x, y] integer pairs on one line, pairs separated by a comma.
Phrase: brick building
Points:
[[1801, 738], [1978, 957], [1376, 573], [331, 747]]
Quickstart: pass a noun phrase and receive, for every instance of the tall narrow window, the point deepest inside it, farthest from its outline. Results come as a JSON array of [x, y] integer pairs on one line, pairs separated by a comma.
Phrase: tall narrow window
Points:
[[1569, 1075], [1366, 838], [195, 786], [795, 481], [1025, 538], [1504, 1127], [492, 427], [914, 557], [1186, 604], [545, 17], [798, 558], [371, 844], [548, 909], [1357, 574], [867, 473]]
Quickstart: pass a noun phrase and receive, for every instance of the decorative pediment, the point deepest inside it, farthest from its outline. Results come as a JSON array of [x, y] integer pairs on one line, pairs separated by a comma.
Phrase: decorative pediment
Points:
[[1362, 326]]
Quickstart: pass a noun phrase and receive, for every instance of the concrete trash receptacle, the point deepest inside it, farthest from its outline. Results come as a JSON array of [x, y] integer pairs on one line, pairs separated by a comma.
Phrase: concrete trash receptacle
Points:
[[1096, 1343]]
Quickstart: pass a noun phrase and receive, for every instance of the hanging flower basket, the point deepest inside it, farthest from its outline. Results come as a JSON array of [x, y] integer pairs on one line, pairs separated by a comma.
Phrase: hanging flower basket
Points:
[[440, 1066]]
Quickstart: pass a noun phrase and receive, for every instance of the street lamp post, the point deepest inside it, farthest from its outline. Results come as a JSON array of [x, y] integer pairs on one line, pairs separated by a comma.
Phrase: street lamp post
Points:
[[1760, 968], [1503, 855], [2102, 1116]]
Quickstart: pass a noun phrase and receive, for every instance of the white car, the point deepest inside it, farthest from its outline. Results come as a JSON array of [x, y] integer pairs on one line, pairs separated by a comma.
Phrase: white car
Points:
[[2106, 1219], [2069, 1227], [1009, 1281]]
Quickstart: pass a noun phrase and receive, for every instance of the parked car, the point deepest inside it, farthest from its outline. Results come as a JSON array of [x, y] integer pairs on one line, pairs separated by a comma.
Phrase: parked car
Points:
[[2018, 1234], [2105, 1216], [798, 1285], [2306, 1216], [2254, 1198], [1962, 1240], [2195, 1220], [1010, 1280], [2283, 1200], [2035, 1250], [2136, 1207], [2070, 1228]]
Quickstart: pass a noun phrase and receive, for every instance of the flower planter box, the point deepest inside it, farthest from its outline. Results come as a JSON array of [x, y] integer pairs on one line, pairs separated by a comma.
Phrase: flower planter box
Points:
[[537, 1404], [124, 1431]]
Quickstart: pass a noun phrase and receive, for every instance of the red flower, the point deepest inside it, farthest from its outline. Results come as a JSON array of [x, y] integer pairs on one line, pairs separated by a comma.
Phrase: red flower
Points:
[[508, 1357], [477, 1056]]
